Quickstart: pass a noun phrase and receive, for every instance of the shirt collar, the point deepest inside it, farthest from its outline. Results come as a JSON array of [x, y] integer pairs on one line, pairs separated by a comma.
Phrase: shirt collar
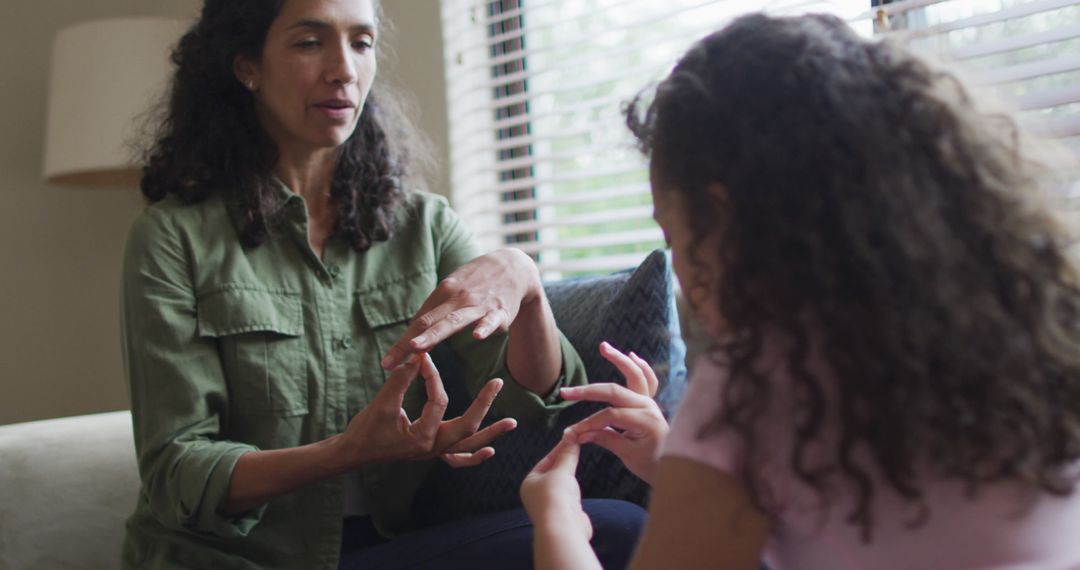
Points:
[[283, 198]]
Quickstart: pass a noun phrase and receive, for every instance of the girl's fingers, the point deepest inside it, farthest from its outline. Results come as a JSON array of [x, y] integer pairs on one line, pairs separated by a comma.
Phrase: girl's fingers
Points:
[[608, 392], [565, 455], [650, 374], [557, 453], [629, 420], [635, 379], [610, 440]]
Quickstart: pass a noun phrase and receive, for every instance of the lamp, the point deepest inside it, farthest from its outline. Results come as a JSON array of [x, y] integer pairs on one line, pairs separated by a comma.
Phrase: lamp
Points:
[[105, 74]]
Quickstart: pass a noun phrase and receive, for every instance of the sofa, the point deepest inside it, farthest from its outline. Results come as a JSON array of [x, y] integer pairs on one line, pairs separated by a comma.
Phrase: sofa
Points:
[[67, 485]]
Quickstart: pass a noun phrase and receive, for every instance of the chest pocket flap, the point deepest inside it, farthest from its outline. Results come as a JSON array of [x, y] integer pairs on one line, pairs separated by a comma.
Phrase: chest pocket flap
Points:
[[236, 311], [260, 334]]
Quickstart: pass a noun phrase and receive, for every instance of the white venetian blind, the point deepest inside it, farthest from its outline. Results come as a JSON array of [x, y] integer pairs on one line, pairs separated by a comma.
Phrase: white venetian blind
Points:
[[540, 159], [1026, 51]]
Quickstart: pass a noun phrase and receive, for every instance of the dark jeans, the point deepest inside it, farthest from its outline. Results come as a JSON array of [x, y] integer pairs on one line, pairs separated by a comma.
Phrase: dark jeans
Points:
[[500, 540]]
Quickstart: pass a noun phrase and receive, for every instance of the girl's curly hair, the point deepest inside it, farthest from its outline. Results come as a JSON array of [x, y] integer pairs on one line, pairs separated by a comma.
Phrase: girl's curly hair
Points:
[[208, 139], [875, 216]]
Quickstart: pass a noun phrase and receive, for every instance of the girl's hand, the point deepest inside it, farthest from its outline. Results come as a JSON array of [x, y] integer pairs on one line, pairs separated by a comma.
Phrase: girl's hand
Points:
[[489, 291], [633, 427], [382, 432], [551, 493]]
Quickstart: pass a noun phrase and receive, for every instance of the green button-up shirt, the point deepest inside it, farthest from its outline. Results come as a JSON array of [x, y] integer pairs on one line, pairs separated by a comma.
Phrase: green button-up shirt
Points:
[[230, 349]]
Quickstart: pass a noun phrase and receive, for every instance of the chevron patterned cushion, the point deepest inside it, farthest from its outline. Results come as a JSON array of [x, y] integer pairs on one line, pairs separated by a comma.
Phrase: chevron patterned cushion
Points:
[[634, 311]]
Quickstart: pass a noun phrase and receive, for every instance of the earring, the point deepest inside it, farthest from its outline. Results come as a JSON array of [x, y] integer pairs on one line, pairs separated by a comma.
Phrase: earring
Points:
[[250, 84]]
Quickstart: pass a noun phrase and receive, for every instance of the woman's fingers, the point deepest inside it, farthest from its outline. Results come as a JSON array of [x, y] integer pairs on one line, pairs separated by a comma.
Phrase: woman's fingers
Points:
[[458, 460], [483, 437], [435, 307], [427, 426], [488, 291], [460, 434], [608, 392], [635, 378], [392, 394], [492, 321], [444, 327], [479, 407], [434, 325]]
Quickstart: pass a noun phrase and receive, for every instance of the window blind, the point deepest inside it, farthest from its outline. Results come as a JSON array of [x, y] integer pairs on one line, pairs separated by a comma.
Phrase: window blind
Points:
[[1027, 52], [535, 89]]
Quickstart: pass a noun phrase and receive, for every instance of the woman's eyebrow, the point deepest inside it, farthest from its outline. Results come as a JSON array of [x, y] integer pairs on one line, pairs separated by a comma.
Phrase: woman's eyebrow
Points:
[[363, 27]]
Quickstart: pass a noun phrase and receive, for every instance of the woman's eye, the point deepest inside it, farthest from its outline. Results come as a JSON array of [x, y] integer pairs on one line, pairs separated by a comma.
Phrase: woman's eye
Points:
[[363, 45], [307, 44]]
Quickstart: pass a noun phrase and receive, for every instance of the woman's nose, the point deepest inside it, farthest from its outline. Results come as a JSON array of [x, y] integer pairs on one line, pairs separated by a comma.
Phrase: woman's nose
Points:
[[341, 67]]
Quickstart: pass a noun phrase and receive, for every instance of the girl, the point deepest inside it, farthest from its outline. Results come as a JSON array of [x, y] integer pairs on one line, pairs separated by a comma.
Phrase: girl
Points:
[[894, 380]]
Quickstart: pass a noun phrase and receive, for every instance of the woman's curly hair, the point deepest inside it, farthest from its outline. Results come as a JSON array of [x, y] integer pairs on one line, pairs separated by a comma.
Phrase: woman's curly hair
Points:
[[208, 139], [876, 217]]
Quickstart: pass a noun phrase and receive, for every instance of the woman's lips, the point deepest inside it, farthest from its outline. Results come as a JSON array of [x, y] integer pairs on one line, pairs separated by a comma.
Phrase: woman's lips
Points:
[[336, 109]]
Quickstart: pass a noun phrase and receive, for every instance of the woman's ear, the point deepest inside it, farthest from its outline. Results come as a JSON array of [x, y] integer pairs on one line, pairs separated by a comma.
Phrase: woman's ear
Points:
[[718, 194], [246, 71]]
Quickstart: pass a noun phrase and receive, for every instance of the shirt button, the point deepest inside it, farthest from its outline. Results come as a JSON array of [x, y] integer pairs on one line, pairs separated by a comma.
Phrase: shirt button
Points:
[[333, 270], [345, 343]]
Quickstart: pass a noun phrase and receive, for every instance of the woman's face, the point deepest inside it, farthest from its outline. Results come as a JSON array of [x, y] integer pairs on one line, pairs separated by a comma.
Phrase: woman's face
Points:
[[694, 260], [315, 72]]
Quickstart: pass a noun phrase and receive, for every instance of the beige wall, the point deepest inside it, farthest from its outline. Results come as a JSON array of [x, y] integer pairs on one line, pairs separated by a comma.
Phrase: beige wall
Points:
[[60, 247], [417, 45]]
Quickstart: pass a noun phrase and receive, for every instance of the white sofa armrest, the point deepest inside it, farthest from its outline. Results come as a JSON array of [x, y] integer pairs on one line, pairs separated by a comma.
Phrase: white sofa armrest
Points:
[[66, 488]]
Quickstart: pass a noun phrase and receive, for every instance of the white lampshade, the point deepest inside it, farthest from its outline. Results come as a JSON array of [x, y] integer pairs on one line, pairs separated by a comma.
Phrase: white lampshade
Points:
[[105, 75]]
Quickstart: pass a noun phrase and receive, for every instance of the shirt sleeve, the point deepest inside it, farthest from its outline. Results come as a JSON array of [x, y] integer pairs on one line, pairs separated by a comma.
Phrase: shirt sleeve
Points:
[[484, 360], [178, 391], [699, 406]]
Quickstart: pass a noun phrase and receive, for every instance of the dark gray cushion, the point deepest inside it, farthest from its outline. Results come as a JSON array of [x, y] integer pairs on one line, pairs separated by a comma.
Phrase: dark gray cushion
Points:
[[634, 311]]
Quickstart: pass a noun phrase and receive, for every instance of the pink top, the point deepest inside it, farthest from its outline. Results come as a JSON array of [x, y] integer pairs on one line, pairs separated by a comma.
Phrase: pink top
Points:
[[1004, 528]]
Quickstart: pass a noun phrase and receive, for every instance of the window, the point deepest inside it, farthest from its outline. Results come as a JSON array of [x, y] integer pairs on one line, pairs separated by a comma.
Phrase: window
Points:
[[539, 157], [1027, 52]]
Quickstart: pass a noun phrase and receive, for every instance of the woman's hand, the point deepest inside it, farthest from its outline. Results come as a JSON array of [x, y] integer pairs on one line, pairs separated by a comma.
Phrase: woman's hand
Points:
[[489, 291], [633, 427], [382, 432]]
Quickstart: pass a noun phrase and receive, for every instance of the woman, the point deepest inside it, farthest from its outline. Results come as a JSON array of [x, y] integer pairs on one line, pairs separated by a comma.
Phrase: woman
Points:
[[267, 298], [895, 373]]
